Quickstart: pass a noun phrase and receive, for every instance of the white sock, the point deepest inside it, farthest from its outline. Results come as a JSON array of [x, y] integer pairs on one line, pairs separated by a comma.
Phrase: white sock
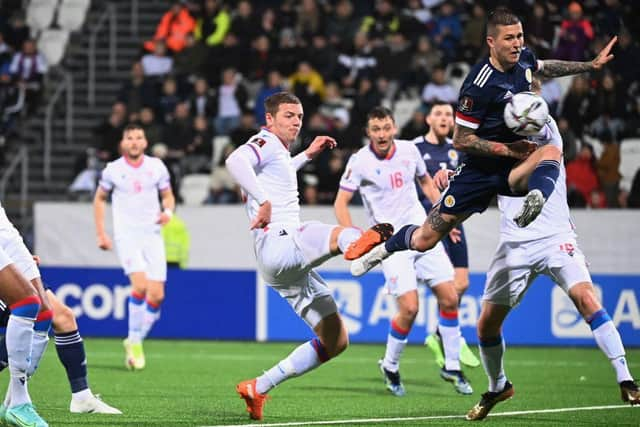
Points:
[[301, 360], [136, 314], [149, 317], [450, 336], [491, 354], [395, 347], [19, 338], [40, 341], [609, 341], [348, 236], [82, 394]]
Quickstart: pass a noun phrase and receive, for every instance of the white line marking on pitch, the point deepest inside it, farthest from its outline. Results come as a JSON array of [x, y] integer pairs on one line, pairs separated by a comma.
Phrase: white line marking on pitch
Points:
[[435, 417]]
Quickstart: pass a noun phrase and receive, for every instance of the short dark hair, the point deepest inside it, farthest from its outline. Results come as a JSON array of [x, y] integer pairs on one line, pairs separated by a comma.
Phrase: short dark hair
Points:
[[438, 102], [380, 113], [130, 127], [500, 16], [273, 102]]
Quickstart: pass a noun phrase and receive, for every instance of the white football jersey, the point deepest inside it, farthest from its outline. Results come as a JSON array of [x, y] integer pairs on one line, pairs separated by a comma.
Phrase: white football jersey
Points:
[[387, 186], [134, 199], [277, 176], [555, 217], [5, 224]]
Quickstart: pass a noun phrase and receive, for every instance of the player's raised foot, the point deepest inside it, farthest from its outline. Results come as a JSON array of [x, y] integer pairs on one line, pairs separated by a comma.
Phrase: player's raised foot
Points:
[[92, 405], [488, 401], [531, 208], [392, 380], [254, 400], [630, 392], [24, 415], [434, 343], [369, 260], [377, 234], [459, 381], [466, 355], [134, 355]]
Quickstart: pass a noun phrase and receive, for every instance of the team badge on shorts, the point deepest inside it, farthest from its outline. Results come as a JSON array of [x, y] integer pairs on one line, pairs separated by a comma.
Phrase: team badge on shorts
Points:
[[449, 201]]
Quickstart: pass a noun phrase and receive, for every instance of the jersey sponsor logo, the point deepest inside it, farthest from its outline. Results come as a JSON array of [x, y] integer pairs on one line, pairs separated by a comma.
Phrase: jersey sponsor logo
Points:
[[466, 104], [449, 201]]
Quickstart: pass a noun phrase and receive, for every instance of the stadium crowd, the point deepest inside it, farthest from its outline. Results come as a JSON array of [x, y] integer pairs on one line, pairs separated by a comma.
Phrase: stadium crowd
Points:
[[211, 63]]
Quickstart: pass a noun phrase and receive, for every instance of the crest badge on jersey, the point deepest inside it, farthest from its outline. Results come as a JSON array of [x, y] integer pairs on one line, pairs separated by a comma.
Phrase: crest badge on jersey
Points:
[[449, 201], [453, 157], [466, 104], [528, 75]]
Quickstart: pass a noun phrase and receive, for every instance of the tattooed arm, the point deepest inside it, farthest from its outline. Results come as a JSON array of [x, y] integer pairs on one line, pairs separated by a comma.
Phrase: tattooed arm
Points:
[[464, 139], [556, 68]]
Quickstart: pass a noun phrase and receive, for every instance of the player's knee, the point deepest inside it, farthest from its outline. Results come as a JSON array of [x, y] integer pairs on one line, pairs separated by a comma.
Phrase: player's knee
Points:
[[586, 301], [461, 286], [155, 297], [64, 319], [409, 311], [422, 240], [550, 152], [341, 345]]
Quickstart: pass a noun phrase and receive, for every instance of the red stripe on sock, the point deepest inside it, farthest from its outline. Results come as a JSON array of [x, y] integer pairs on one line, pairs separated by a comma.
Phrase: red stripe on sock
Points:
[[33, 299], [153, 305], [136, 295], [398, 329], [44, 315], [449, 314]]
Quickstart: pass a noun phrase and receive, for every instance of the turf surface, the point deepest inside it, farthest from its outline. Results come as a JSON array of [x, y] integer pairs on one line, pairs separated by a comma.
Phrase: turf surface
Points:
[[191, 383]]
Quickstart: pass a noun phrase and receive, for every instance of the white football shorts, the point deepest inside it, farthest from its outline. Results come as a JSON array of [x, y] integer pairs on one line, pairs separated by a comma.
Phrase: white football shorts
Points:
[[287, 254], [13, 251], [143, 252], [403, 270], [516, 265]]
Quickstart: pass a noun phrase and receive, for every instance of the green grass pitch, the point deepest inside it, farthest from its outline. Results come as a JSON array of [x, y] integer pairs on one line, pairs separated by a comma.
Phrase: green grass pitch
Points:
[[191, 383]]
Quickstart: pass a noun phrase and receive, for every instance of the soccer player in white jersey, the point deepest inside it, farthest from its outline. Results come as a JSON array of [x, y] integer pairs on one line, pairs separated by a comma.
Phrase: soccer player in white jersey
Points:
[[547, 246], [135, 181], [69, 344], [385, 172], [27, 327], [287, 250]]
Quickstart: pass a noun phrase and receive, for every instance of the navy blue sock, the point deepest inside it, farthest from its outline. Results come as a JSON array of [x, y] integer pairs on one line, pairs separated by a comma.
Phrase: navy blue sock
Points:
[[401, 240], [71, 353], [544, 177], [4, 356]]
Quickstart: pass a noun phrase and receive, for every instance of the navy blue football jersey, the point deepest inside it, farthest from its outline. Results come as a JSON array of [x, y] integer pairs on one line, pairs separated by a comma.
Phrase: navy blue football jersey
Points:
[[486, 91], [436, 156]]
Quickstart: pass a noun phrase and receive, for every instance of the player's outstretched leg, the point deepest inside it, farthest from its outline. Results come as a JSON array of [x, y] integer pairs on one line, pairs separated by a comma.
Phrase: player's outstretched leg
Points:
[[531, 208], [400, 241]]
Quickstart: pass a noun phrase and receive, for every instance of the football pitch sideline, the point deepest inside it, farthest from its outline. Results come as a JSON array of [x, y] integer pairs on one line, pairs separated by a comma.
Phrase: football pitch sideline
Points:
[[192, 383]]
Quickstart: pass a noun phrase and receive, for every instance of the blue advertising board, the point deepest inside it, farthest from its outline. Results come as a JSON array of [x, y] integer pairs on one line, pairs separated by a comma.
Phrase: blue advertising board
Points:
[[546, 316], [199, 304]]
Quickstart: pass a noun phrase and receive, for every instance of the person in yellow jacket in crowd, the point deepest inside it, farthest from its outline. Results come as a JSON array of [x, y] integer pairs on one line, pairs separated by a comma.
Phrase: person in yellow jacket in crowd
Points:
[[214, 23], [177, 242]]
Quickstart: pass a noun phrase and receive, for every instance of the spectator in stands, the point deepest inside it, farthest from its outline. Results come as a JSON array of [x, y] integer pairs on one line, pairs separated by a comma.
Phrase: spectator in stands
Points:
[[244, 23], [213, 23], [152, 130], [438, 89], [366, 99], [202, 102], [260, 59], [424, 60], [12, 99], [415, 19], [157, 64], [329, 177], [569, 140], [247, 128], [582, 179], [308, 85], [174, 25], [575, 36], [310, 21], [167, 101], [608, 166], [609, 19], [6, 51], [309, 189], [231, 101], [472, 43], [17, 32], [396, 51], [287, 14], [190, 61], [625, 66], [231, 53], [383, 21], [288, 54], [109, 133], [28, 68], [322, 56], [576, 107], [416, 126], [608, 108], [199, 148], [633, 198], [137, 92], [268, 25], [348, 136], [273, 84], [357, 63], [342, 25], [447, 31], [222, 186], [540, 30]]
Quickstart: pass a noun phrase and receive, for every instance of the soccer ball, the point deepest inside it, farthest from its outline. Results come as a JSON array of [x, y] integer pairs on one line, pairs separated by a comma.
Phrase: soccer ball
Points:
[[526, 113]]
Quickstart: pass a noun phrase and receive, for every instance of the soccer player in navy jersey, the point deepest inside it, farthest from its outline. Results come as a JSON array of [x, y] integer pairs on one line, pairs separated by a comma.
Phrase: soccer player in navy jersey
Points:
[[436, 148], [495, 161]]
